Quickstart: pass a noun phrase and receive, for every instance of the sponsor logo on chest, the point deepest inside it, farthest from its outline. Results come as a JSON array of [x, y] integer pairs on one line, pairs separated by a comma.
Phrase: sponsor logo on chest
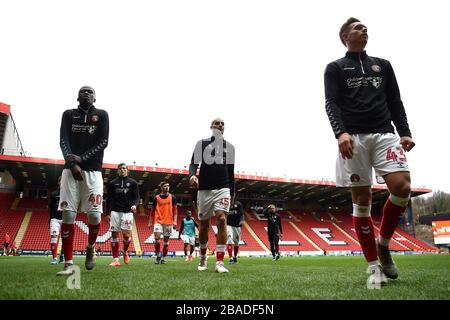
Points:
[[353, 83]]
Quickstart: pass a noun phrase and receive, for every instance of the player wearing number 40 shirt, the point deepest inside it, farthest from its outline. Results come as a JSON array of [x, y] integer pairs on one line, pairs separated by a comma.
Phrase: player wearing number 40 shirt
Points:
[[122, 199], [215, 189], [83, 138], [362, 102]]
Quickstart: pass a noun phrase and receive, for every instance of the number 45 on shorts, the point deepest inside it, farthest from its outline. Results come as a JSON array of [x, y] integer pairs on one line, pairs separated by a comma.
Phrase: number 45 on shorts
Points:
[[224, 204], [396, 155]]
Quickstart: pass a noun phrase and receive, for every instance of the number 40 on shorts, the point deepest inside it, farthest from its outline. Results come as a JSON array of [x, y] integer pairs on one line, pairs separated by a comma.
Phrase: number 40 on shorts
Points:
[[95, 199]]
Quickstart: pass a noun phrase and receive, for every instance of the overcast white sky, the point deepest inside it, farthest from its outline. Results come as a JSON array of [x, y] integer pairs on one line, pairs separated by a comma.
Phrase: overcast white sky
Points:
[[164, 69]]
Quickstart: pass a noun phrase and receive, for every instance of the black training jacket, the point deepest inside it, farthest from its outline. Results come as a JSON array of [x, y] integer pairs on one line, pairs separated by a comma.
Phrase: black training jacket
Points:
[[85, 134], [216, 157], [122, 194], [362, 96], [273, 222], [235, 215]]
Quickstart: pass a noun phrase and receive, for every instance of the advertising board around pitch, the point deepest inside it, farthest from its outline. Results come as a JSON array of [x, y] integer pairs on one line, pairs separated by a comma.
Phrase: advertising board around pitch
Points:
[[441, 231]]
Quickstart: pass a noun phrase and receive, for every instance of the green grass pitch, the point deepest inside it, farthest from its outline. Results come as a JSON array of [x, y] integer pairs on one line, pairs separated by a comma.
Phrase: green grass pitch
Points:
[[422, 277]]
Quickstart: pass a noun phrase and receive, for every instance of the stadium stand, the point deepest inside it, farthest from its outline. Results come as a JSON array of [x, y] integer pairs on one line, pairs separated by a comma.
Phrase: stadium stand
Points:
[[37, 235], [292, 240], [303, 232], [250, 243], [33, 204], [413, 243], [324, 234], [402, 240], [6, 200], [10, 221]]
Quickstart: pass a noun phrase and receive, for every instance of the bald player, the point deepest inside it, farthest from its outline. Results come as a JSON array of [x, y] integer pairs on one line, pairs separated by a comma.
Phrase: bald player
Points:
[[215, 185]]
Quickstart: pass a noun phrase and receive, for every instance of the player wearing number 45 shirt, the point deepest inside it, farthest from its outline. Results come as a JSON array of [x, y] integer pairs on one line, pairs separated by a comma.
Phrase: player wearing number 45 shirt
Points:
[[215, 189], [362, 101], [83, 138], [122, 199]]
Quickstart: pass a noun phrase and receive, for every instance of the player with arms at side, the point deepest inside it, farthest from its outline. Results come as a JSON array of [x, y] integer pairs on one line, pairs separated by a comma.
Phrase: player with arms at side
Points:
[[84, 136], [274, 230], [362, 102], [188, 226], [215, 186], [165, 212], [122, 199]]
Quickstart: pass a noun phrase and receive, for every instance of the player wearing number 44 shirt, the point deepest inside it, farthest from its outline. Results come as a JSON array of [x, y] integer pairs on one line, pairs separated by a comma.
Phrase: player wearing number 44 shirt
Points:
[[215, 186], [83, 138], [122, 199], [362, 102]]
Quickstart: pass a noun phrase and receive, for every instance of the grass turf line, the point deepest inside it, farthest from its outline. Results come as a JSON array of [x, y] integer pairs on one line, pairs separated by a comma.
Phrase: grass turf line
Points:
[[290, 278]]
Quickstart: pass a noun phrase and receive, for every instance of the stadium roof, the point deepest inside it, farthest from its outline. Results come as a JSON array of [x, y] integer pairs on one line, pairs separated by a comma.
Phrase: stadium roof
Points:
[[43, 172], [5, 108]]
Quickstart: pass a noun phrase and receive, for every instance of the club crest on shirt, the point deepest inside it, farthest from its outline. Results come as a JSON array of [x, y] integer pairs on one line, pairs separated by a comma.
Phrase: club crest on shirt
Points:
[[94, 118], [355, 178], [376, 68]]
